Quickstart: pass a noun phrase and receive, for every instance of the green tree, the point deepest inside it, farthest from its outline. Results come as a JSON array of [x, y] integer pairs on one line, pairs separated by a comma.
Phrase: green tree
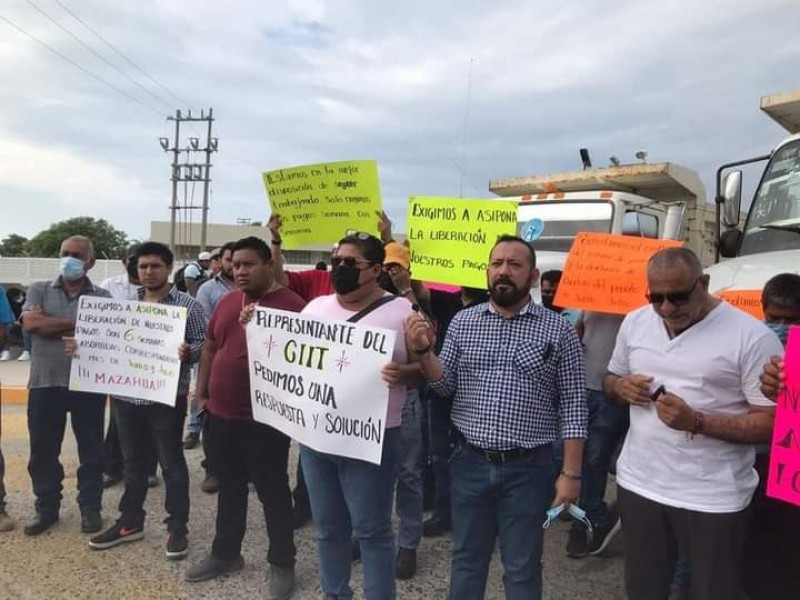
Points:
[[256, 224], [108, 241], [14, 245]]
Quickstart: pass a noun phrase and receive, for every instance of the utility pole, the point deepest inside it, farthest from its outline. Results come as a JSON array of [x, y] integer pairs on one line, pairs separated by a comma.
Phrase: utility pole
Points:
[[189, 170]]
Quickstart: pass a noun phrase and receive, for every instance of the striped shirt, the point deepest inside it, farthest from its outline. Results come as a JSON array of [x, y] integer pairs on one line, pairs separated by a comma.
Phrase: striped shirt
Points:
[[195, 333], [516, 382]]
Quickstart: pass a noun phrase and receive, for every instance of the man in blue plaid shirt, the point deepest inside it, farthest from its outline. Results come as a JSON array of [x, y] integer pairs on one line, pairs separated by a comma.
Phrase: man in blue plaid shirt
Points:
[[140, 423], [515, 370]]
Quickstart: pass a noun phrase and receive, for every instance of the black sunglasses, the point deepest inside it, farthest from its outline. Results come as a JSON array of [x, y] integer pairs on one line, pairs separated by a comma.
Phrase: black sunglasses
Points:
[[349, 261], [674, 298]]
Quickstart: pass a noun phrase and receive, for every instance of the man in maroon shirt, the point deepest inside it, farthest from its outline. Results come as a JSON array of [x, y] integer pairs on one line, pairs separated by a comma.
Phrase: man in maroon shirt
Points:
[[243, 449]]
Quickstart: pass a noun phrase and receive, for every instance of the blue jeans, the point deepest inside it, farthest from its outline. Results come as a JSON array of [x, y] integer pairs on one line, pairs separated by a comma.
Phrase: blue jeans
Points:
[[352, 497], [409, 481], [608, 424], [47, 420], [441, 447], [508, 500]]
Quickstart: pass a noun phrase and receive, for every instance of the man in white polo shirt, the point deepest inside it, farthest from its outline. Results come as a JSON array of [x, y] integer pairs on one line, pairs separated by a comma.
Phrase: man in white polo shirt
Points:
[[688, 365]]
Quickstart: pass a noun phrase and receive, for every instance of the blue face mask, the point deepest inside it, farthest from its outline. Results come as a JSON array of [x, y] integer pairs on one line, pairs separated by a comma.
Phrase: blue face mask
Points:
[[71, 268], [779, 329], [576, 512]]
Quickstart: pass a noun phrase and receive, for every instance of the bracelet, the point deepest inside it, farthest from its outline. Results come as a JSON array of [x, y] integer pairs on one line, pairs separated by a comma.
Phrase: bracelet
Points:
[[277, 241], [422, 351], [570, 475], [698, 423]]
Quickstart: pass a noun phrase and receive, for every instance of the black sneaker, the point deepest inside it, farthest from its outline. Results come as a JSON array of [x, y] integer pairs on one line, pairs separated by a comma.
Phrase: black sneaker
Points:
[[177, 546], [115, 536], [578, 542], [435, 527], [211, 567], [603, 534], [91, 521], [110, 480], [40, 524], [406, 564]]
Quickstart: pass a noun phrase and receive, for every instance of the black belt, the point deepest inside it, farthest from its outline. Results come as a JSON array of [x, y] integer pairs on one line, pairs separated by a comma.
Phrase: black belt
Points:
[[496, 455]]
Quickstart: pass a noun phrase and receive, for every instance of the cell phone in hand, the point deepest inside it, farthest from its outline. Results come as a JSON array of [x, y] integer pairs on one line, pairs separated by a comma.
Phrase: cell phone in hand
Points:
[[661, 390]]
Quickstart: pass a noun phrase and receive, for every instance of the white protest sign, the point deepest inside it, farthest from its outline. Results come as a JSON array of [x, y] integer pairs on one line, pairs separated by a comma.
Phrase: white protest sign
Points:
[[319, 381], [128, 348]]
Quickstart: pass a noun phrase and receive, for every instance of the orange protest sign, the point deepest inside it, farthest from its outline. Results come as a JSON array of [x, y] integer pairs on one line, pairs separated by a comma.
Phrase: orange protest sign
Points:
[[747, 300], [607, 273]]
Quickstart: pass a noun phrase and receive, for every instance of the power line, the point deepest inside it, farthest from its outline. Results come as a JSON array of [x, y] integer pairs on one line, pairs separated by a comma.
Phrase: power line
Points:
[[81, 67], [121, 54], [97, 54]]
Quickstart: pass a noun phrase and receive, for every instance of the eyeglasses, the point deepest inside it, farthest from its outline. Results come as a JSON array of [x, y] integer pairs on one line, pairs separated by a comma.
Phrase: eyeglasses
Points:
[[349, 261], [674, 298]]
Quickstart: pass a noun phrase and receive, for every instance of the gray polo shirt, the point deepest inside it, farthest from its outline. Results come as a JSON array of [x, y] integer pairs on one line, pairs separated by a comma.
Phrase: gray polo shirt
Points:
[[49, 363]]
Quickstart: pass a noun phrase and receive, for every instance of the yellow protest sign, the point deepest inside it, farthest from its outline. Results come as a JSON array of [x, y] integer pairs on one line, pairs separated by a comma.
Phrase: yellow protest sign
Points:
[[451, 238], [320, 203]]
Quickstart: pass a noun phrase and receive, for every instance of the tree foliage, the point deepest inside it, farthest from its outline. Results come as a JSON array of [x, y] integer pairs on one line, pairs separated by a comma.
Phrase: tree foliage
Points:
[[108, 242], [14, 245]]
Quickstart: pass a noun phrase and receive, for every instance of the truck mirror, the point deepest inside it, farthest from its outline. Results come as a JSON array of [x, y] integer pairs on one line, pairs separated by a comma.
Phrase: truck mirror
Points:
[[732, 199], [729, 243]]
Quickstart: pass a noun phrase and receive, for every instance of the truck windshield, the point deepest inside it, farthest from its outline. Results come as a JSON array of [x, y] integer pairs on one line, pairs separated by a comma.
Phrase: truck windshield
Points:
[[774, 220], [553, 225]]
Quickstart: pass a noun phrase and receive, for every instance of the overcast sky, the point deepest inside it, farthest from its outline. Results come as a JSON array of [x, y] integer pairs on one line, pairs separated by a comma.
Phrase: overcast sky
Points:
[[305, 81]]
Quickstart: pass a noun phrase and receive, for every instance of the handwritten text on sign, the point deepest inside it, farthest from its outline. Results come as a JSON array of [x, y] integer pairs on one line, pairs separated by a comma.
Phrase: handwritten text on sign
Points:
[[607, 273], [451, 238], [320, 203], [747, 300], [128, 348], [784, 465], [319, 382]]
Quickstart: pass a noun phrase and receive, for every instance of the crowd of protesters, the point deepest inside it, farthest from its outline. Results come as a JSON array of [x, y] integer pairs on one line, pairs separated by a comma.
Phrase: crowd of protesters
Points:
[[513, 410]]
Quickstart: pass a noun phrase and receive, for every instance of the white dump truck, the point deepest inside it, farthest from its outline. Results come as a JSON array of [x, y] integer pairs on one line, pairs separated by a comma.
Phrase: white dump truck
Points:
[[659, 200], [769, 243]]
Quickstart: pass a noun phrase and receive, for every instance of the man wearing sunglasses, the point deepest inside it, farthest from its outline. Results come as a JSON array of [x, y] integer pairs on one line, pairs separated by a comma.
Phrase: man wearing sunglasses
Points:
[[688, 365]]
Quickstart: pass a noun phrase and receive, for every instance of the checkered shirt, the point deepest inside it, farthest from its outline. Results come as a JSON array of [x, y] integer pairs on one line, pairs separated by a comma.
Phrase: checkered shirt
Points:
[[515, 383], [195, 333]]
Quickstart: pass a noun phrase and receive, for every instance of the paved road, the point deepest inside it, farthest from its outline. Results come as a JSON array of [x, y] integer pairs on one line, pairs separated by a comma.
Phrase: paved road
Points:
[[59, 564]]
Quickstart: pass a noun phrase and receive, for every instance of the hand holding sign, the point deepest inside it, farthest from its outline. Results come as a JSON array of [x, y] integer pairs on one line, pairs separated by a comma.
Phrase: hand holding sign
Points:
[[773, 378], [783, 481]]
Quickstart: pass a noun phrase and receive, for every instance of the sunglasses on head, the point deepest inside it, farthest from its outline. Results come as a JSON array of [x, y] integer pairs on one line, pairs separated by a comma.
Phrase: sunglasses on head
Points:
[[349, 261], [674, 298], [359, 235]]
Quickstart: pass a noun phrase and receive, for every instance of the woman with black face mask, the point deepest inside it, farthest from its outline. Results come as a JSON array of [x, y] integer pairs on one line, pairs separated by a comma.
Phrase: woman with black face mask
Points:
[[351, 497]]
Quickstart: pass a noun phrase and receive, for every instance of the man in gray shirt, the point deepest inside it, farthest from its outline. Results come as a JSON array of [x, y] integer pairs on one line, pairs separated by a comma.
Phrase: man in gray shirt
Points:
[[49, 315]]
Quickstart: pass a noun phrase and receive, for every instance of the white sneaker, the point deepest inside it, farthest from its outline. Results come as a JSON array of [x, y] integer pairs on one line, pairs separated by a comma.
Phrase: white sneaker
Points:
[[5, 355], [24, 357]]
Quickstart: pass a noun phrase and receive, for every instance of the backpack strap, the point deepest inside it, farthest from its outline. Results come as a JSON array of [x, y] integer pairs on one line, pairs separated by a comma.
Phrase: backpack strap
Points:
[[374, 306]]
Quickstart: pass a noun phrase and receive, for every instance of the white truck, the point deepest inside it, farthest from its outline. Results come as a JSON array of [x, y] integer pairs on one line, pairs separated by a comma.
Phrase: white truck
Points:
[[659, 200], [770, 240]]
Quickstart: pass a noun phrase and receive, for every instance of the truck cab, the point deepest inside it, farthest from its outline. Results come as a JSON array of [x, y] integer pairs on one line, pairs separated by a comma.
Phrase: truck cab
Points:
[[769, 242], [659, 201]]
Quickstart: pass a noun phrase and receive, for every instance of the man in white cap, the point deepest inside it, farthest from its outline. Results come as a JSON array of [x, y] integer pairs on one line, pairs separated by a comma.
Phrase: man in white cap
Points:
[[196, 273]]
